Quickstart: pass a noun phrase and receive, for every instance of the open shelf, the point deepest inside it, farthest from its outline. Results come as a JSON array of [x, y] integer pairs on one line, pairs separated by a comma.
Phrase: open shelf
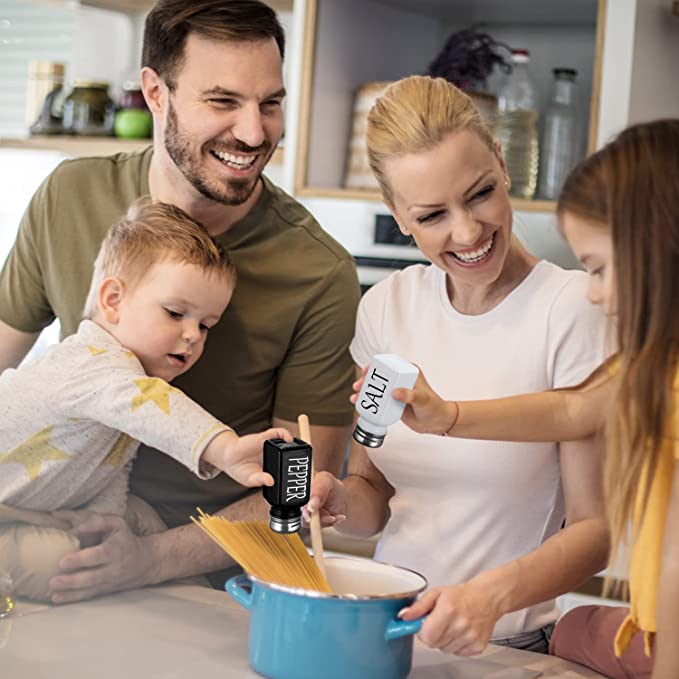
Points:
[[518, 204], [391, 39]]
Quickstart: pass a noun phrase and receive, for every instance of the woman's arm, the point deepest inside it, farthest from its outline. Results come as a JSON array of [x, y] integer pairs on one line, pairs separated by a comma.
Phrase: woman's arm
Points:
[[667, 650], [461, 617], [558, 415]]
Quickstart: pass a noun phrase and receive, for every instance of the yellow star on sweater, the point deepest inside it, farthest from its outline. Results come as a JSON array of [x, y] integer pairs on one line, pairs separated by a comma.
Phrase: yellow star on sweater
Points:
[[156, 390], [33, 452], [118, 454], [95, 351]]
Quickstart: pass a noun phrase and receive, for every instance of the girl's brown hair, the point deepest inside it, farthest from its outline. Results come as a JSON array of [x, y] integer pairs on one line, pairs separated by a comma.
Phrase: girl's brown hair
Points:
[[413, 115], [150, 233], [631, 187]]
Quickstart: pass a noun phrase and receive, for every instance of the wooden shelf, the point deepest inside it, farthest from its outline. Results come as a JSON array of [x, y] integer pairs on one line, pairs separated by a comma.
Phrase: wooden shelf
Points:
[[518, 204], [76, 146], [92, 146]]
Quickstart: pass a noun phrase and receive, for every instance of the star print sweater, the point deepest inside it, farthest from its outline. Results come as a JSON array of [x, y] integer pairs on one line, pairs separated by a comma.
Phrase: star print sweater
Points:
[[72, 419]]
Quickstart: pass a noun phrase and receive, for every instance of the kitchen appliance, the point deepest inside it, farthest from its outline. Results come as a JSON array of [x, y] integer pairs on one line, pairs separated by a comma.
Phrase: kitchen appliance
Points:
[[353, 632]]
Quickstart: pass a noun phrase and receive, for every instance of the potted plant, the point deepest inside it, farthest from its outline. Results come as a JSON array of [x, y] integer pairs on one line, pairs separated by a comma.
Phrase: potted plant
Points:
[[467, 60]]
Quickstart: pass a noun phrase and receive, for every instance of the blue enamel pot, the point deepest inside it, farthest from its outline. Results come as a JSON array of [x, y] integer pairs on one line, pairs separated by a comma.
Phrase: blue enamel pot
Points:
[[353, 633]]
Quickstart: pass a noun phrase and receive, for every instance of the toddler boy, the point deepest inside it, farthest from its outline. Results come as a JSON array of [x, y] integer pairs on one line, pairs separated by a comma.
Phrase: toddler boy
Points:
[[72, 419]]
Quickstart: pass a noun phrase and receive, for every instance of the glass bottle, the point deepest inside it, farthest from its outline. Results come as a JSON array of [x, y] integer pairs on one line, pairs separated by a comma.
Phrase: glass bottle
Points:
[[558, 151], [516, 127]]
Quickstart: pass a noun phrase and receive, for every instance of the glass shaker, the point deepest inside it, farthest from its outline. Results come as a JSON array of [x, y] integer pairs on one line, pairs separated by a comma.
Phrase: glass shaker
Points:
[[559, 141]]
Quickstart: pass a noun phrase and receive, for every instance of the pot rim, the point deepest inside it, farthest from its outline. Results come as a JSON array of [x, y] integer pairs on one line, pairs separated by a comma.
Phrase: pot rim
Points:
[[315, 594]]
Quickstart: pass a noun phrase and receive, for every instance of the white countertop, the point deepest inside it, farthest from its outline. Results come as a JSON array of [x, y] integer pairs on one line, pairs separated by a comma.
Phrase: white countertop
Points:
[[181, 631]]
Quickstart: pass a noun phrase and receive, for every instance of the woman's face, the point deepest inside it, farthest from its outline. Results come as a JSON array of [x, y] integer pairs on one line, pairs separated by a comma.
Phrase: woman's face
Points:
[[453, 200], [593, 246]]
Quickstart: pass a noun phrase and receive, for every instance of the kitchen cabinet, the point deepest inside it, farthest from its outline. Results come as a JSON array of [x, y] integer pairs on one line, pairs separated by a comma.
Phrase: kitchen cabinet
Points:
[[350, 42], [624, 51]]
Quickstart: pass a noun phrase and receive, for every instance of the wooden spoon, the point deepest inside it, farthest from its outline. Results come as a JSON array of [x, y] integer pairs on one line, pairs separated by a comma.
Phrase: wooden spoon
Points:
[[315, 523]]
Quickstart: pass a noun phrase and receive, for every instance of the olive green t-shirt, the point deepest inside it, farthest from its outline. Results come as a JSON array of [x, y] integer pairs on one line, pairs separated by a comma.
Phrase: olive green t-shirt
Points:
[[280, 349]]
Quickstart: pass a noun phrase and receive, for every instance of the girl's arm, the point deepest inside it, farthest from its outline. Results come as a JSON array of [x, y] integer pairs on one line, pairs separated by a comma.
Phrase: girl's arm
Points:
[[667, 650], [559, 415]]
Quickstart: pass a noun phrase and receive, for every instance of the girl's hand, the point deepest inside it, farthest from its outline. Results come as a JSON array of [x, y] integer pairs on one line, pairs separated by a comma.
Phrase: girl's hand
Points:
[[460, 618], [425, 412], [241, 456], [328, 497]]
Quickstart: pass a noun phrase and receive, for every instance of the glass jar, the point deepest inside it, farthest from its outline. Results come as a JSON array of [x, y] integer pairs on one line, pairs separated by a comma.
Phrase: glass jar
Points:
[[88, 109], [132, 96]]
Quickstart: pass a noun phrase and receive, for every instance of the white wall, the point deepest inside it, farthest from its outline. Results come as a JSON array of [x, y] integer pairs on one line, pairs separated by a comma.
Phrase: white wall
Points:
[[21, 172]]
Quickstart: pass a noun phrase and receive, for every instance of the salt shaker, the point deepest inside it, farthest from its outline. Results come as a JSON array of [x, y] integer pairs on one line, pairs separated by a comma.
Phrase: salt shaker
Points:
[[375, 406]]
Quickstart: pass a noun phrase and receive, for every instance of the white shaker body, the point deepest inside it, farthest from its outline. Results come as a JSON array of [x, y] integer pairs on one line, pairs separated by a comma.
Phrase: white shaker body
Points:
[[374, 405]]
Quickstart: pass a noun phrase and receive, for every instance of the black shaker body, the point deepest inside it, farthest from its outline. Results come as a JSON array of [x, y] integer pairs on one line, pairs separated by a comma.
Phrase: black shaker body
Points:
[[290, 466]]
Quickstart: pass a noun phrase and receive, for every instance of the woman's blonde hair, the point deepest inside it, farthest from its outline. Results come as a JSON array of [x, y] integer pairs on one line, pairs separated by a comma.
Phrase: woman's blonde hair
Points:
[[150, 233], [630, 187], [414, 115]]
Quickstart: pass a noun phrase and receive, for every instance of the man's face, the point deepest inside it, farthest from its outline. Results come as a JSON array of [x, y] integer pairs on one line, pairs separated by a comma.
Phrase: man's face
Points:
[[225, 117]]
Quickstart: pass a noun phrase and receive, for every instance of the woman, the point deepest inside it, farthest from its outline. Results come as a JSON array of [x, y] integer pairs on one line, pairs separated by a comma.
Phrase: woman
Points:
[[487, 319], [618, 215]]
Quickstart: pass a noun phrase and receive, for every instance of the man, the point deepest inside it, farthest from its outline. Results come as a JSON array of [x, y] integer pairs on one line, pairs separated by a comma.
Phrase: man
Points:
[[212, 78]]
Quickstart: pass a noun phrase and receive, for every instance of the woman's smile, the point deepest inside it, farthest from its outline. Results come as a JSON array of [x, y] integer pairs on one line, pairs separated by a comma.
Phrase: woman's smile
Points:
[[476, 256]]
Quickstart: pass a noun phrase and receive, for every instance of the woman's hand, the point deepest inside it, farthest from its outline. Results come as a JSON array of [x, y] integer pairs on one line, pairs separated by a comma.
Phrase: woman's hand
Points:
[[460, 618], [425, 412], [328, 497]]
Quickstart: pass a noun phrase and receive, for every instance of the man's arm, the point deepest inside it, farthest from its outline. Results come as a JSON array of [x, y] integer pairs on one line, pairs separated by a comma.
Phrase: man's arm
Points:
[[14, 345], [462, 616], [125, 561]]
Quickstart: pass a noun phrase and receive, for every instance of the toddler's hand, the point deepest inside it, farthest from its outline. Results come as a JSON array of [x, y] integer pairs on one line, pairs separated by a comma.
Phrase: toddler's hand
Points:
[[241, 456]]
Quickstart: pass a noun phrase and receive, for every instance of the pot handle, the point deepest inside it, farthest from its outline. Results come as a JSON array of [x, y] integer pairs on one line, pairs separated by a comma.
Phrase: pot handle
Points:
[[403, 628], [235, 588]]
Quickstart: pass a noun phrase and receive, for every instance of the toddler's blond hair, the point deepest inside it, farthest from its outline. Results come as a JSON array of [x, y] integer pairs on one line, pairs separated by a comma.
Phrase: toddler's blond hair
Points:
[[150, 233]]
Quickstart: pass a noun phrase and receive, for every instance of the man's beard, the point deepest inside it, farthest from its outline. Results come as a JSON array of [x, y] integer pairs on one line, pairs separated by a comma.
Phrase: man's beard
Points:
[[227, 192]]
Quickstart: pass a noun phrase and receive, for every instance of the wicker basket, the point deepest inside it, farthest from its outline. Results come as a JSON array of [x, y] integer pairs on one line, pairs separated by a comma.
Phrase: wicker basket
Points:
[[358, 174]]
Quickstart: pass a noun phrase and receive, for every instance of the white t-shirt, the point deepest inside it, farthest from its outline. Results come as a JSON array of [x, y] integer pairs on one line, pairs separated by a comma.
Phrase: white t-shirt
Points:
[[465, 506]]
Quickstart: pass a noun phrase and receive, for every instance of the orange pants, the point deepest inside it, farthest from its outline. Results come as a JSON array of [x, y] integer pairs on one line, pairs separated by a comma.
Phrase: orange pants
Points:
[[585, 635]]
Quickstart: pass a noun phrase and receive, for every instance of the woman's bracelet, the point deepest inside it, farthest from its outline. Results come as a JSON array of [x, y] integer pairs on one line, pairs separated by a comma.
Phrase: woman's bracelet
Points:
[[455, 419]]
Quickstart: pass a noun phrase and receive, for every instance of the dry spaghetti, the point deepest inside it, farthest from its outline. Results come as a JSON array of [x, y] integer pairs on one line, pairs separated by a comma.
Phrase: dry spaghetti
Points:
[[269, 556]]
